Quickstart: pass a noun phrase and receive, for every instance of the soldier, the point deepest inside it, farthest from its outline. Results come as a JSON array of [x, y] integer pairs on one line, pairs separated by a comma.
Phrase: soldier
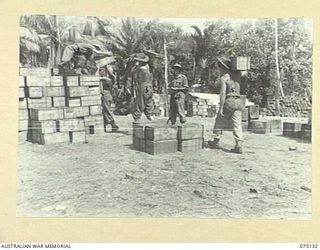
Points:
[[230, 106], [143, 90], [106, 100], [178, 89]]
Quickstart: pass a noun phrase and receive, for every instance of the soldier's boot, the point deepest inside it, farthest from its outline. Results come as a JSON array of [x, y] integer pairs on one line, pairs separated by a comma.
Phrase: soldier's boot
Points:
[[215, 143], [182, 120], [114, 127], [237, 149]]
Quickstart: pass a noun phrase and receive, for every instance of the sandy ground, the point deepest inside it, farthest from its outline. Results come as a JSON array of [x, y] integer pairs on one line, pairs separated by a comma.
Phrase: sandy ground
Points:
[[107, 178]]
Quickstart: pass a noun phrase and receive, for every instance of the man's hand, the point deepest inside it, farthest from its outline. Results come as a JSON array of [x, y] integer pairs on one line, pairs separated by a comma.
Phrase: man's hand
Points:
[[221, 112]]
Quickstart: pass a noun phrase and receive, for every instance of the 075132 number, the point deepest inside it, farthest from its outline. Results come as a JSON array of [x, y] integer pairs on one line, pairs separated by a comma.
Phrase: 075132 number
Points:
[[309, 245]]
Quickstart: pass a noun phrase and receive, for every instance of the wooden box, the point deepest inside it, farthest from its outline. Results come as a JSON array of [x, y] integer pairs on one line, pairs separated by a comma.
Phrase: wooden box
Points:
[[59, 101], [43, 127], [245, 115], [21, 81], [46, 114], [21, 93], [74, 112], [69, 125], [93, 120], [77, 136], [35, 71], [160, 132], [23, 114], [254, 111], [34, 92], [259, 127], [44, 102], [23, 125], [56, 81], [94, 90], [190, 145], [53, 91], [22, 136], [58, 137], [84, 78], [23, 103], [77, 91], [292, 129], [190, 131], [139, 144], [95, 110], [71, 81], [161, 147], [91, 100], [306, 132], [240, 63], [73, 102], [245, 126], [38, 81], [95, 129]]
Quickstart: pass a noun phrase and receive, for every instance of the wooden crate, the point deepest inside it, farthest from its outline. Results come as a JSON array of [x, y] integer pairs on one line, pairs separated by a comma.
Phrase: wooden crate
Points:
[[254, 111], [44, 127], [91, 100], [190, 145], [34, 92], [53, 91], [77, 91], [93, 120], [73, 101], [23, 125], [74, 112], [71, 81], [190, 131], [59, 101], [94, 90], [95, 129], [23, 103], [259, 127], [58, 137], [23, 114], [95, 110], [139, 144], [292, 129], [22, 81], [84, 78], [245, 126], [38, 81], [240, 63], [23, 71], [77, 136], [46, 114], [161, 147], [35, 103], [160, 132], [306, 132], [69, 125], [22, 136], [21, 93], [56, 81]]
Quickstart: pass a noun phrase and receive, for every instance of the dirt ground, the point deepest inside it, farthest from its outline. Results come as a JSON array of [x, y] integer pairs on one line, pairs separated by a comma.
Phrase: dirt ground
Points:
[[107, 178]]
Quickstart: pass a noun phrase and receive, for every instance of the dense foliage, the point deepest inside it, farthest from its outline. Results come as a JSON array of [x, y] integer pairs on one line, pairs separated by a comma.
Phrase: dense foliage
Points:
[[43, 38]]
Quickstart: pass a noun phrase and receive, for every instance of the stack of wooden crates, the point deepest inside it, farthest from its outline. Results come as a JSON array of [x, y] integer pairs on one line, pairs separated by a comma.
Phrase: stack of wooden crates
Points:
[[159, 138], [201, 107], [57, 109]]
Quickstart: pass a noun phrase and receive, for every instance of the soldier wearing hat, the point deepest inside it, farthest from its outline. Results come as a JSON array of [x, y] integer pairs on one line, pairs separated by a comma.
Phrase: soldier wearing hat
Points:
[[230, 106], [178, 89], [143, 90]]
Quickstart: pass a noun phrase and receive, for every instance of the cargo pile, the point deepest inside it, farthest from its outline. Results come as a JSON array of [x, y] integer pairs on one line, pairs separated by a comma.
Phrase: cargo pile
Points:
[[201, 107], [159, 138], [54, 109], [289, 107]]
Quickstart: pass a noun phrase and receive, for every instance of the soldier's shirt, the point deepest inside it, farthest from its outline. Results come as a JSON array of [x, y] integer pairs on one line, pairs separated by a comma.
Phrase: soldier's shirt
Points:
[[180, 81], [142, 76]]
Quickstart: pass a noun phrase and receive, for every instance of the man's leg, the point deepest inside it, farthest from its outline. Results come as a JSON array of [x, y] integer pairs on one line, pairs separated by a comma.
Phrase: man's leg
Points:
[[148, 102], [237, 131], [107, 114], [173, 110], [180, 107]]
